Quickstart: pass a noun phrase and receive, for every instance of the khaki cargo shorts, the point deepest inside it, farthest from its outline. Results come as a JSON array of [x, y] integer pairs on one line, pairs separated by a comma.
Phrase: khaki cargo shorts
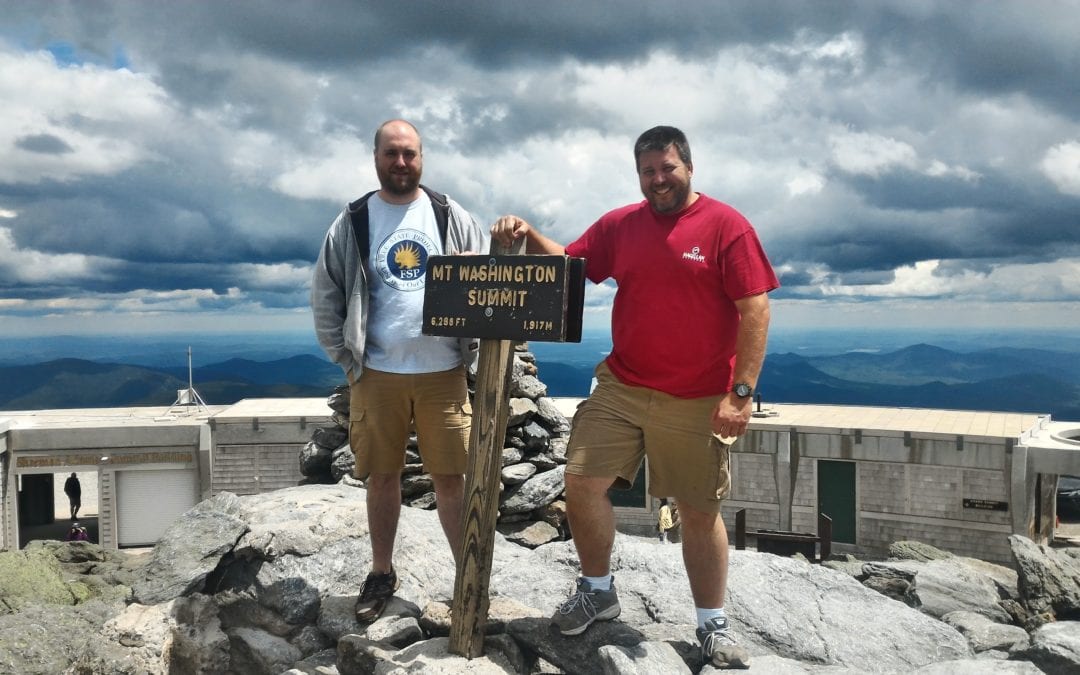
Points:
[[383, 407], [619, 425]]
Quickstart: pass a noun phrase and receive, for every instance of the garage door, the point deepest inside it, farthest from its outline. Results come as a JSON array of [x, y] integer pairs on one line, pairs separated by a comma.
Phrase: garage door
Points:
[[147, 502]]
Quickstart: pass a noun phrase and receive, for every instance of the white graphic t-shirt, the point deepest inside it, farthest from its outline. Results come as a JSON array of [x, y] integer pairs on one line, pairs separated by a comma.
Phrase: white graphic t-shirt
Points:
[[403, 237]]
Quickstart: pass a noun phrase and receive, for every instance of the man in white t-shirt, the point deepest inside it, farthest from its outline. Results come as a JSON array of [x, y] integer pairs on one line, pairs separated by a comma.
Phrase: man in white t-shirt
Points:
[[367, 297]]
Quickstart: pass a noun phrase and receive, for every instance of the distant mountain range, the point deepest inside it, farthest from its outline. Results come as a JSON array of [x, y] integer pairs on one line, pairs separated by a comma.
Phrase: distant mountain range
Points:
[[920, 376], [924, 376], [76, 383]]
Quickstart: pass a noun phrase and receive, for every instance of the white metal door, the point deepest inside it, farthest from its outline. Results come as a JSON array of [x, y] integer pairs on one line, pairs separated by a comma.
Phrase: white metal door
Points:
[[147, 502]]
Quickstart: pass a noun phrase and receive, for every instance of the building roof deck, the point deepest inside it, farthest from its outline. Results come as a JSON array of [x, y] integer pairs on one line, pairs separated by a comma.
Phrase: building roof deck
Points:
[[924, 422], [782, 417]]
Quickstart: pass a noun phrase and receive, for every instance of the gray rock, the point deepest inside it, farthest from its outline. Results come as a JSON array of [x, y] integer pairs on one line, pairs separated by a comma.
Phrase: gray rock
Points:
[[254, 651], [534, 493], [342, 463], [535, 436], [190, 549], [1048, 581], [521, 410], [425, 501], [916, 550], [557, 448], [416, 485], [330, 438], [319, 663], [948, 585], [977, 667], [517, 473], [511, 455], [892, 582], [985, 635], [529, 534], [339, 400], [550, 416], [527, 386], [315, 459], [645, 657], [1055, 647], [543, 461], [396, 629]]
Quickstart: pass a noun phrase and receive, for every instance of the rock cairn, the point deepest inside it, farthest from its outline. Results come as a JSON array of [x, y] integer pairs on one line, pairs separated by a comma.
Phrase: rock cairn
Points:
[[532, 509]]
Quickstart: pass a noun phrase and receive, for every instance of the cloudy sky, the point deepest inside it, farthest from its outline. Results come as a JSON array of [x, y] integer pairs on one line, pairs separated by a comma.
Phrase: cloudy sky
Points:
[[174, 165]]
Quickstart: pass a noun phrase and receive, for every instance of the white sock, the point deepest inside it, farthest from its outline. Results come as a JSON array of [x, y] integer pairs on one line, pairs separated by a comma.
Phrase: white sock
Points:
[[705, 613], [599, 583]]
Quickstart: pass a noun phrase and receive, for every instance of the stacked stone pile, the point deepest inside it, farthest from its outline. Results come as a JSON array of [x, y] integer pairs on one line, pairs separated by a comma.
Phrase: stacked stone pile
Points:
[[532, 510]]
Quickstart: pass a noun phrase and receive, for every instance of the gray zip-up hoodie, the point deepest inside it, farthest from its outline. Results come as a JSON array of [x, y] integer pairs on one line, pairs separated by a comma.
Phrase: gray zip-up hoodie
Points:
[[339, 287]]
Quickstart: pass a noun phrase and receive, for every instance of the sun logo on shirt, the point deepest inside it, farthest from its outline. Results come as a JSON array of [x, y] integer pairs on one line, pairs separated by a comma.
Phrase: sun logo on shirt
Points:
[[407, 257]]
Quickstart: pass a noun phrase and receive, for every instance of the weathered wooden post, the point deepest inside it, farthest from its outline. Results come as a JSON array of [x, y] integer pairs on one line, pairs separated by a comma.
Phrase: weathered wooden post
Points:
[[500, 298]]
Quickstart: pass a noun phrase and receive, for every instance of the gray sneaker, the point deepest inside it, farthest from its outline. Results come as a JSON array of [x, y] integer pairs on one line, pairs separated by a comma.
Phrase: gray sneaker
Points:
[[585, 606], [718, 646]]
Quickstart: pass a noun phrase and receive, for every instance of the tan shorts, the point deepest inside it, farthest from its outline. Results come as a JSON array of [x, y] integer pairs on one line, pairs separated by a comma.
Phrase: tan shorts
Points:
[[383, 407], [619, 425]]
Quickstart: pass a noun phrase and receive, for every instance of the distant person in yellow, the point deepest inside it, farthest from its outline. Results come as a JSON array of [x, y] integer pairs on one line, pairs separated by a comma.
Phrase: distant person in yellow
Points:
[[367, 297], [665, 520]]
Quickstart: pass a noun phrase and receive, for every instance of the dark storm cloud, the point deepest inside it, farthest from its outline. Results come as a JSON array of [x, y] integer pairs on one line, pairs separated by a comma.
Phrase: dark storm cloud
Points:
[[46, 144]]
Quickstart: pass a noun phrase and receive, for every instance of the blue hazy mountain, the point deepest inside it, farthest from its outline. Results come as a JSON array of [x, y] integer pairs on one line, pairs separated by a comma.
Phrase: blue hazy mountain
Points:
[[1003, 371]]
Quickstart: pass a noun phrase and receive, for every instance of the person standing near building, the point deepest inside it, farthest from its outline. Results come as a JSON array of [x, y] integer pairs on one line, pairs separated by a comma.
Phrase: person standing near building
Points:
[[689, 327], [73, 490], [663, 520], [367, 301]]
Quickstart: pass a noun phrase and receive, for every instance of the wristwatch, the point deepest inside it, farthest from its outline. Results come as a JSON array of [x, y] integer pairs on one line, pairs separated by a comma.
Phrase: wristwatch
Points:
[[742, 390]]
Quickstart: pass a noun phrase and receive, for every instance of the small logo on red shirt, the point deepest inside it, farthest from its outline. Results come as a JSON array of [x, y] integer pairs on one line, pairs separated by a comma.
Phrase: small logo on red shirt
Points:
[[694, 254]]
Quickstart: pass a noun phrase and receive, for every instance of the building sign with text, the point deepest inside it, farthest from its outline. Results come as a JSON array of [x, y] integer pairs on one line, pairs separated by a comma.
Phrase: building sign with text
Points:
[[505, 297]]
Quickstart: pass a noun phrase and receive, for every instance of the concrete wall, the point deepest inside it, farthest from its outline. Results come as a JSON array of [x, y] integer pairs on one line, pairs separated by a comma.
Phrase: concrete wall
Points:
[[906, 488]]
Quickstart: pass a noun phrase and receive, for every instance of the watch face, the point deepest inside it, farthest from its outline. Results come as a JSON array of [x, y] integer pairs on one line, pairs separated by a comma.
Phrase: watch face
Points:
[[742, 390]]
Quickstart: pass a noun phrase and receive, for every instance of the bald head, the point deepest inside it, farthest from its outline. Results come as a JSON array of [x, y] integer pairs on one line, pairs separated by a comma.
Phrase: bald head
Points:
[[397, 127], [399, 161]]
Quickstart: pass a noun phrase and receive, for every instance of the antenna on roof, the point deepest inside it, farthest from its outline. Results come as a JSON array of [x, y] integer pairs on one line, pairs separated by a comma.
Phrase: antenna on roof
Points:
[[188, 400]]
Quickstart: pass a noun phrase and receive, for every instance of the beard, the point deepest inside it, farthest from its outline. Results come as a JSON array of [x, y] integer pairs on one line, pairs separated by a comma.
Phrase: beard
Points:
[[670, 202], [398, 183]]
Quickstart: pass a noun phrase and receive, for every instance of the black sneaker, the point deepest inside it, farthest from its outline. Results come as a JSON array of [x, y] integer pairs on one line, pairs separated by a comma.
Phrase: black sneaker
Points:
[[718, 646], [376, 591]]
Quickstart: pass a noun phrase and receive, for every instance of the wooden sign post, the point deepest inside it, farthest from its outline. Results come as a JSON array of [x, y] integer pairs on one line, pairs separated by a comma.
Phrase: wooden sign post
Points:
[[501, 298]]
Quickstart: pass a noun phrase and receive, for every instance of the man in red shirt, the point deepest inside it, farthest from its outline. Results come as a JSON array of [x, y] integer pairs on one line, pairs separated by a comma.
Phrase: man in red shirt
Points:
[[689, 327]]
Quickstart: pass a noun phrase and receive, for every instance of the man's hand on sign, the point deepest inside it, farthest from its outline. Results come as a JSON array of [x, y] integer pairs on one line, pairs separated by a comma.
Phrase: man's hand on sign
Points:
[[509, 228]]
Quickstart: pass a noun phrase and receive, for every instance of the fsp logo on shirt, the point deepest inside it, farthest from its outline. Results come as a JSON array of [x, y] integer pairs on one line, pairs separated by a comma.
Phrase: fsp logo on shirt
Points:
[[402, 259], [694, 254]]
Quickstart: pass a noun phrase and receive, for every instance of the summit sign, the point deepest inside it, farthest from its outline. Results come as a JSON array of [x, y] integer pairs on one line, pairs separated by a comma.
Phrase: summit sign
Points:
[[505, 297]]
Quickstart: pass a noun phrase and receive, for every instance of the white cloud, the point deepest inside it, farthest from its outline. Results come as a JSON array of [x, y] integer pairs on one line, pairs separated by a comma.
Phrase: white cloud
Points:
[[1001, 282], [870, 154], [730, 89], [342, 171], [92, 117], [277, 277], [806, 183], [1061, 164], [27, 266], [939, 169]]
